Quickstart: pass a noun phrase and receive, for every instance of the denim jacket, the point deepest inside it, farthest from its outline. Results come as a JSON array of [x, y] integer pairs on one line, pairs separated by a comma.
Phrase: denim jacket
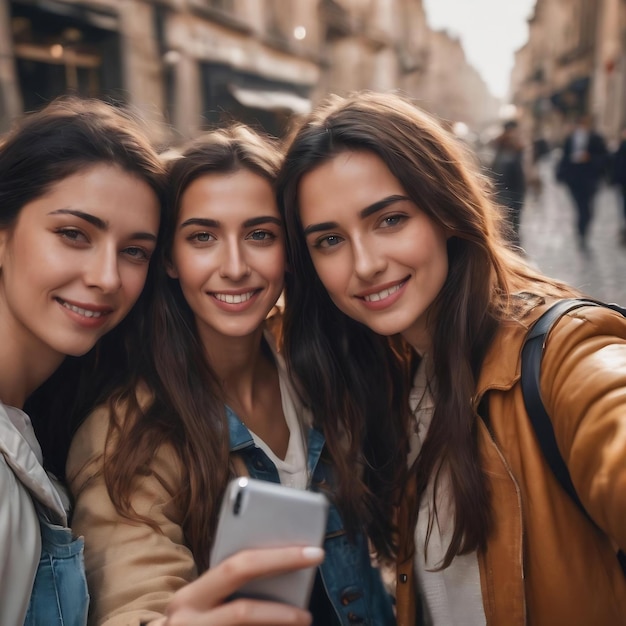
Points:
[[353, 587]]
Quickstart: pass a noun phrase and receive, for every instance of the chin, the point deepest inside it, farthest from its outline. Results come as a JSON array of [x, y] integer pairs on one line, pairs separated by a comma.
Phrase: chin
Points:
[[74, 348]]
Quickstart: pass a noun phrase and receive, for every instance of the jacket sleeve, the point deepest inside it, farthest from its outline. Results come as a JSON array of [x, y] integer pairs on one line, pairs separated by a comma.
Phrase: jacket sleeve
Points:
[[583, 385], [133, 569]]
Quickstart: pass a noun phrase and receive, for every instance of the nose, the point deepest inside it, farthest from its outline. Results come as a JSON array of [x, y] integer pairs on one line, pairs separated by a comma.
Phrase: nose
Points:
[[368, 260], [234, 265], [103, 272]]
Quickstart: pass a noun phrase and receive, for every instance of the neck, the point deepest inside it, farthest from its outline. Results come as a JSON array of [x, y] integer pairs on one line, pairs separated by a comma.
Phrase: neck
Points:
[[23, 368], [239, 364], [25, 360]]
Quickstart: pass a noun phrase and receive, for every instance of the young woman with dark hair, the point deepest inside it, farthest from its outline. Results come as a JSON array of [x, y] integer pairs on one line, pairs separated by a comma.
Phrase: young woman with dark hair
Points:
[[393, 234], [210, 399], [80, 190]]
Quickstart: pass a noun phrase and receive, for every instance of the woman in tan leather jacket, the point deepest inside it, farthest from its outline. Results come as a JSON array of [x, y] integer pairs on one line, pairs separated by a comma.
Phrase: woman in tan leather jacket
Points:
[[393, 233]]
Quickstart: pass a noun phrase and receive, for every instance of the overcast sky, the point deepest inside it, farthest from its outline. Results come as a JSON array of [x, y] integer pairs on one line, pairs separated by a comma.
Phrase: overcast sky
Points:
[[490, 30]]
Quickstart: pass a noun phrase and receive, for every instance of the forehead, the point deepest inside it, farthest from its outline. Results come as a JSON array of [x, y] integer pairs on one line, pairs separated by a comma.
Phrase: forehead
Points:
[[350, 181], [228, 193], [103, 190]]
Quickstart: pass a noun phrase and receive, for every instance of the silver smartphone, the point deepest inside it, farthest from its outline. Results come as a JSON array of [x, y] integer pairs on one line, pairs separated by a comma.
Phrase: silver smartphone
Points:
[[260, 514]]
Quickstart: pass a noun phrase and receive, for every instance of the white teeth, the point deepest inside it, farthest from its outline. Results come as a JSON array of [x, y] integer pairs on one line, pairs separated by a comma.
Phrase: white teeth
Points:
[[83, 312], [381, 295], [234, 298]]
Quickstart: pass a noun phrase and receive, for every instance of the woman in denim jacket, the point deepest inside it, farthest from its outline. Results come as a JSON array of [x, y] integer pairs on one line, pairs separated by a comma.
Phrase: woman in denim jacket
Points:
[[210, 398], [73, 262]]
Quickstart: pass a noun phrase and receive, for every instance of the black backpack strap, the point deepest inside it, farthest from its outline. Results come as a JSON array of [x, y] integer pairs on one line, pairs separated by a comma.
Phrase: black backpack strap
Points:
[[531, 374]]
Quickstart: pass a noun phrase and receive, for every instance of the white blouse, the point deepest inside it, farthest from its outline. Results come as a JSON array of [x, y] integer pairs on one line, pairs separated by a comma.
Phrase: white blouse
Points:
[[452, 596]]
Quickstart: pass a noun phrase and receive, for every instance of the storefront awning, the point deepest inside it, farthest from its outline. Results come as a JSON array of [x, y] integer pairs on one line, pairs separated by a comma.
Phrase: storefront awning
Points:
[[271, 100]]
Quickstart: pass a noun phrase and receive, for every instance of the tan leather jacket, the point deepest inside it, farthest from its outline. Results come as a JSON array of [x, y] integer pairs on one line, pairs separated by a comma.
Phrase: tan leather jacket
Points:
[[545, 563]]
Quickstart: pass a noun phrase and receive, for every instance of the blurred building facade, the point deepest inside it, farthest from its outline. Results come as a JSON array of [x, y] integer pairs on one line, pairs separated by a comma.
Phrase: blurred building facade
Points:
[[185, 65], [574, 62]]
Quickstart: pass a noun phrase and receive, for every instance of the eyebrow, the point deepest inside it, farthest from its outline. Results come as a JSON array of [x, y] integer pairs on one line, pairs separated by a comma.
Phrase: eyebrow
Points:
[[99, 223], [253, 221], [92, 219], [364, 213]]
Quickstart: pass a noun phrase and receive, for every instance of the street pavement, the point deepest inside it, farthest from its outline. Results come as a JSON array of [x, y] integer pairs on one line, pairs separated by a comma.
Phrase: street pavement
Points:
[[548, 236]]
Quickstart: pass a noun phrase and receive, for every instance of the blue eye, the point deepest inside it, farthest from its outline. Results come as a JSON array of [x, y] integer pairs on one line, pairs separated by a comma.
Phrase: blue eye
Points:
[[329, 241], [201, 237], [391, 220], [137, 254], [72, 235], [262, 235]]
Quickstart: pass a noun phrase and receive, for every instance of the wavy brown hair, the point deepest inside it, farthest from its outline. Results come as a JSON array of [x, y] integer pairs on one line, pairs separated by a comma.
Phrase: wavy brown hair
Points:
[[349, 375], [174, 397], [44, 147]]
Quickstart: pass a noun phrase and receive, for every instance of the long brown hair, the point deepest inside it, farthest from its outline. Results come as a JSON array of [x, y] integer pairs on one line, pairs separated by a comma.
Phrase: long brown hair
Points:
[[44, 147], [440, 178], [174, 397]]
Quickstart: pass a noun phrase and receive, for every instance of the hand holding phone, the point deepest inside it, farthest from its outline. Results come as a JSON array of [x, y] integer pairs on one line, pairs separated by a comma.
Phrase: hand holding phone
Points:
[[260, 514], [205, 600]]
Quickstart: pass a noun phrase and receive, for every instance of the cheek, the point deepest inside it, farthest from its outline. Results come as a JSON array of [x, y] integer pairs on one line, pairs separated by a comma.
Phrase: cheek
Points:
[[192, 268], [269, 263]]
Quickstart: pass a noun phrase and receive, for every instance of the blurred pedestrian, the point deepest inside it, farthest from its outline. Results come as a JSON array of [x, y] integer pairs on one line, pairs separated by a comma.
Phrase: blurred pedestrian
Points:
[[581, 168], [508, 173], [540, 150], [618, 177]]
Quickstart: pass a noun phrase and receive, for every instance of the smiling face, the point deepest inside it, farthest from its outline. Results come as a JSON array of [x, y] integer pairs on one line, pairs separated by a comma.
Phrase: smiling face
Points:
[[229, 252], [381, 259], [75, 260]]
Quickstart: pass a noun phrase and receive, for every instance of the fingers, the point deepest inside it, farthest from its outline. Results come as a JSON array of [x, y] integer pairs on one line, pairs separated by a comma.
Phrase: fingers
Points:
[[220, 582], [242, 613]]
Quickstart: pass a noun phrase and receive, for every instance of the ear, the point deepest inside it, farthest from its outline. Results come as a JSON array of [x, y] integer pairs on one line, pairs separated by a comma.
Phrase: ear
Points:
[[171, 270]]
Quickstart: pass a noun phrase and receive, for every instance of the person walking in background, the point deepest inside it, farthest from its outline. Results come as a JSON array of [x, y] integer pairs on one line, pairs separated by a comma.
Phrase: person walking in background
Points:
[[508, 174], [393, 235], [582, 166], [618, 177], [540, 151]]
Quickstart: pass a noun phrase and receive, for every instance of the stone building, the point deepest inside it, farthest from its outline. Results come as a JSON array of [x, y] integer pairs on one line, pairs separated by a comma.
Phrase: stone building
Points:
[[608, 95], [574, 62], [186, 65], [102, 48], [452, 88]]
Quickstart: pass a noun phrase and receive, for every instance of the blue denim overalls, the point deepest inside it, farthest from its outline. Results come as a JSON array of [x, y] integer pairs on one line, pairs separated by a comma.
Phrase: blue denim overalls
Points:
[[354, 588], [59, 596]]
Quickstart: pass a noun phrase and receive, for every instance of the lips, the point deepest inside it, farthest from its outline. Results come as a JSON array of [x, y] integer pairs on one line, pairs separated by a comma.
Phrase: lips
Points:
[[378, 294], [89, 311], [381, 295]]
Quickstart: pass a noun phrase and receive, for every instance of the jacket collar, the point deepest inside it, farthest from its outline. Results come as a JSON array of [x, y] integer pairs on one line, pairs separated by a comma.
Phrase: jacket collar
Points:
[[239, 435], [22, 453], [502, 373], [240, 439]]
